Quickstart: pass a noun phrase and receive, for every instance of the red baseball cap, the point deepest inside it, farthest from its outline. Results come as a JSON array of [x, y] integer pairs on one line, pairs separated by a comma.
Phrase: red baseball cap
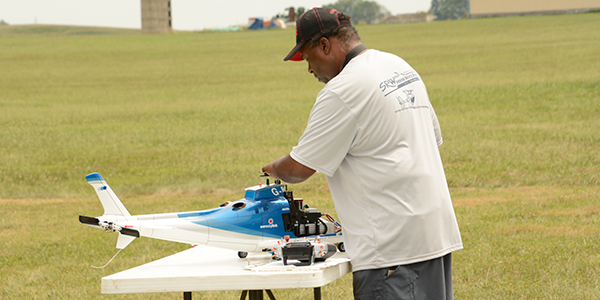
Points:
[[311, 23]]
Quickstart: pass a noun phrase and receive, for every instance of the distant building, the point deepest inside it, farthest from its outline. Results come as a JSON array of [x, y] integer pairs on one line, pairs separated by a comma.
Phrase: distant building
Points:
[[156, 16], [492, 8], [410, 18], [292, 14]]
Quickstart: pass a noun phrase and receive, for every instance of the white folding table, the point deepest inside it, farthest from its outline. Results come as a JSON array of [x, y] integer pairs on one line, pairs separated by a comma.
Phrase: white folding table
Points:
[[212, 269]]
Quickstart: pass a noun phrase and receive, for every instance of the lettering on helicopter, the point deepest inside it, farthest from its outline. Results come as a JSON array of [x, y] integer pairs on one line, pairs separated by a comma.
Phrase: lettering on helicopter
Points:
[[270, 225]]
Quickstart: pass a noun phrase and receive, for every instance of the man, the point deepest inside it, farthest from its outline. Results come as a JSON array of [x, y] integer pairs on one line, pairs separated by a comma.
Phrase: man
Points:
[[374, 134]]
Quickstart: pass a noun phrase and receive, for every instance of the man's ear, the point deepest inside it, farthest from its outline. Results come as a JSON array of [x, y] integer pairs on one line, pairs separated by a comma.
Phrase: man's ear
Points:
[[325, 45]]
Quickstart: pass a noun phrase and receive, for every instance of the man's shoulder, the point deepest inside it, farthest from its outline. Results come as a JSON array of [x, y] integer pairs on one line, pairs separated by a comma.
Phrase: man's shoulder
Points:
[[382, 55], [365, 72]]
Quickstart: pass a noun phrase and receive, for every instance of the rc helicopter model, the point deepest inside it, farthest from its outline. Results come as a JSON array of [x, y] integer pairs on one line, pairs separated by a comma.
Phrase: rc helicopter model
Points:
[[267, 219]]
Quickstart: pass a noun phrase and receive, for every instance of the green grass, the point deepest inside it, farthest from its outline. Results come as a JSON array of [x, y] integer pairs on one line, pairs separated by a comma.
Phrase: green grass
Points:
[[184, 121], [528, 243]]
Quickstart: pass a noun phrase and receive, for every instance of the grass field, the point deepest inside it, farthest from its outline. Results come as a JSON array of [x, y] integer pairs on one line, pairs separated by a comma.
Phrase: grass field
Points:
[[184, 121]]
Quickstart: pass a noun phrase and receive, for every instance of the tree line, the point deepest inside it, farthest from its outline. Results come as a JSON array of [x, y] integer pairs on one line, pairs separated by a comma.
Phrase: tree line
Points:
[[371, 12]]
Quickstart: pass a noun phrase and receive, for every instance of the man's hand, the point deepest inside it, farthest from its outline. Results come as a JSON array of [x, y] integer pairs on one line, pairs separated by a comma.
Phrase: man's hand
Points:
[[288, 170]]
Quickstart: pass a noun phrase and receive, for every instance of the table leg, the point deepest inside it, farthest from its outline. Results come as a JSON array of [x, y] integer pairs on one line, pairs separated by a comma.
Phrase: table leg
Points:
[[256, 295], [318, 293], [187, 295]]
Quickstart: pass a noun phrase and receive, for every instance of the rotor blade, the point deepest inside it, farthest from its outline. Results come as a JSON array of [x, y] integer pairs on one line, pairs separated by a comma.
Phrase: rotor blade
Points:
[[88, 220], [130, 232]]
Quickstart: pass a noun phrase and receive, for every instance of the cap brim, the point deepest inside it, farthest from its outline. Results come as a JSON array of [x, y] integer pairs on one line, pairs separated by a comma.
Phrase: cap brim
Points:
[[294, 55]]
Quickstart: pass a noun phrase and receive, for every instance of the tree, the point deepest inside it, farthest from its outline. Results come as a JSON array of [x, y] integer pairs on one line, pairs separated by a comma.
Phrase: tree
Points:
[[369, 11], [450, 9], [300, 11], [366, 11]]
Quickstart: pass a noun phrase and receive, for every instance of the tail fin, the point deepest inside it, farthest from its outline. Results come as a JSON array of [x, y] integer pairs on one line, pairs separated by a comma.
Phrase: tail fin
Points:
[[111, 203], [124, 240]]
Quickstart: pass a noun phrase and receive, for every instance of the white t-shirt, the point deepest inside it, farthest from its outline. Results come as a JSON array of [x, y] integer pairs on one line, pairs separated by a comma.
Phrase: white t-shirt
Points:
[[374, 134]]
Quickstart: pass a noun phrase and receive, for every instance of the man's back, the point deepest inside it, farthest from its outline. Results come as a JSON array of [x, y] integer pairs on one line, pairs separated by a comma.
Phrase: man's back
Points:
[[374, 134]]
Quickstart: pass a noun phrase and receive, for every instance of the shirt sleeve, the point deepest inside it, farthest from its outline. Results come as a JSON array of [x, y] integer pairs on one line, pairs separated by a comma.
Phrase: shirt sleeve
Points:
[[328, 136]]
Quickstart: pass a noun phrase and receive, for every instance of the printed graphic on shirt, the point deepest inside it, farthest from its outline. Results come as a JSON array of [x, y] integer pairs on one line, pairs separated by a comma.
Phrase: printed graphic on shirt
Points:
[[407, 101], [397, 81], [410, 98]]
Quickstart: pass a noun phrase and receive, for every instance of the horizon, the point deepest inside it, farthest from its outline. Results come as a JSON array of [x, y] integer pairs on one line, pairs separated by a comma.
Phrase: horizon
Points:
[[187, 15]]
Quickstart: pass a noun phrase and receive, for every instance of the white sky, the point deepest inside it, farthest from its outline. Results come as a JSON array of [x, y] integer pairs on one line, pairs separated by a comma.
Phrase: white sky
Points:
[[186, 14]]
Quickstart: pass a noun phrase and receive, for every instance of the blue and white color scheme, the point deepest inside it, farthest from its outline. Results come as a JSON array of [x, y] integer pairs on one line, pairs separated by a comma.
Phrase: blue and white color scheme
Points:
[[260, 220]]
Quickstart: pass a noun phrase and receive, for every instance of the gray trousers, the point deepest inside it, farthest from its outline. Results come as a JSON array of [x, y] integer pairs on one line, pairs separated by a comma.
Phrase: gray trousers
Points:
[[427, 280]]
